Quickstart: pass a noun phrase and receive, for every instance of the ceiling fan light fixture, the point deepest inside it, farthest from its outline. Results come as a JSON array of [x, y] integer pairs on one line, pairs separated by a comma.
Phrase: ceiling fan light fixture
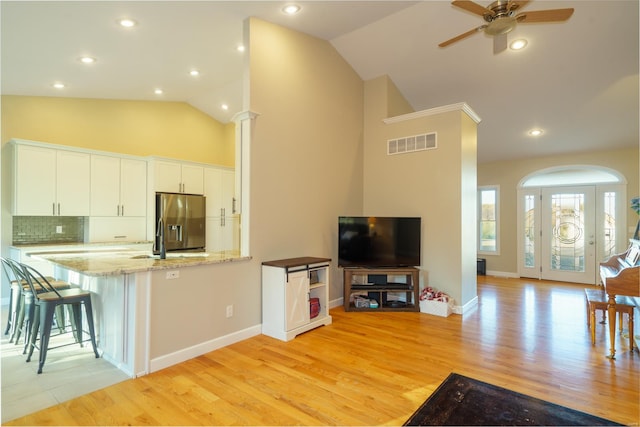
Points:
[[501, 25], [518, 44]]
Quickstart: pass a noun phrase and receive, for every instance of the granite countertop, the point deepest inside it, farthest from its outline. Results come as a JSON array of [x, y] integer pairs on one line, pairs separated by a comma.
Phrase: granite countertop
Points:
[[111, 262]]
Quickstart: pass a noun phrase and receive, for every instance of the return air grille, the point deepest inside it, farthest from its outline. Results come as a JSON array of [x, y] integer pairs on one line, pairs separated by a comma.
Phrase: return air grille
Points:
[[410, 144]]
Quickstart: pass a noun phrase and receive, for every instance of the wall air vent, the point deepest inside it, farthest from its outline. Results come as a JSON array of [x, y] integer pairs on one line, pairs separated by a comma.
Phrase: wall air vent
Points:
[[410, 144]]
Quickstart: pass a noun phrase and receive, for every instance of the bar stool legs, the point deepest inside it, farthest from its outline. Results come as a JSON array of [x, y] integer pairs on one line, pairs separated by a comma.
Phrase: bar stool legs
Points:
[[43, 322]]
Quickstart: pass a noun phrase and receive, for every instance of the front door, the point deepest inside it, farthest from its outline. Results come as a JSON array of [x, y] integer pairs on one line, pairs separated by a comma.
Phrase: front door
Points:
[[568, 250]]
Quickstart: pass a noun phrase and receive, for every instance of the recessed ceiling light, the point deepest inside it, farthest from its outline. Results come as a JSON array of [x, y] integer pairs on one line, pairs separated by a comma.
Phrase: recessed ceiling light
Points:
[[518, 44], [291, 9], [535, 132], [224, 107], [128, 23], [158, 92], [87, 60], [194, 73], [59, 85], [240, 48]]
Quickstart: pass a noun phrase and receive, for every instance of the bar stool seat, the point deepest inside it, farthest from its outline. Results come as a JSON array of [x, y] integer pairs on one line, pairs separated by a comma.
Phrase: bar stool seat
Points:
[[597, 299]]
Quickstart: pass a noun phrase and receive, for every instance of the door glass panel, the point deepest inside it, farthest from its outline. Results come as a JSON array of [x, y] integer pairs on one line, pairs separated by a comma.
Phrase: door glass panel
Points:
[[529, 231], [568, 237], [609, 244]]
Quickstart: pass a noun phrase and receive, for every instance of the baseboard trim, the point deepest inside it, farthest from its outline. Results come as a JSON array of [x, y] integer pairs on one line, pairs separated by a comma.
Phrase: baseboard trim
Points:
[[502, 274], [171, 359], [462, 309]]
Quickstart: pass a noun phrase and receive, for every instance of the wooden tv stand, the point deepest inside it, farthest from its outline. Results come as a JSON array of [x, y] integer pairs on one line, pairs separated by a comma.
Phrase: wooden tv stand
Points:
[[408, 287]]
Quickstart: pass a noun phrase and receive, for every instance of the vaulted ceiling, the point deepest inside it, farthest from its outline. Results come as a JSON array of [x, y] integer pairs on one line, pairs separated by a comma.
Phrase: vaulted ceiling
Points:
[[576, 80]]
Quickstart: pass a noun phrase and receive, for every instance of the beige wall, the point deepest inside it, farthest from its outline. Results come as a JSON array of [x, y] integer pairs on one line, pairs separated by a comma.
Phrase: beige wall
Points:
[[437, 185], [306, 154], [142, 128], [509, 173]]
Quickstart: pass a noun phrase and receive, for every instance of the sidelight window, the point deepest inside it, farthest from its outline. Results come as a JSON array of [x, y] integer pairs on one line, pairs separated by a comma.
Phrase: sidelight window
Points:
[[488, 228]]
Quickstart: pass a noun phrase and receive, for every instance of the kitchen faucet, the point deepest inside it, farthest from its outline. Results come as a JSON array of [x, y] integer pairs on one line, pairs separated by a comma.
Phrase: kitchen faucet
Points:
[[160, 236]]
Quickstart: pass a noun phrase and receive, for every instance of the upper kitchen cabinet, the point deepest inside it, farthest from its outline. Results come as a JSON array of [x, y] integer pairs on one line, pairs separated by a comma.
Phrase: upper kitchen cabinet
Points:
[[219, 189], [50, 182], [118, 186], [175, 177]]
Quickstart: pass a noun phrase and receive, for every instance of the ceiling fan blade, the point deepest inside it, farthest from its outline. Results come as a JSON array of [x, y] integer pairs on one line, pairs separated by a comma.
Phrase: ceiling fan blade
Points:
[[552, 15], [461, 36], [472, 7], [499, 43]]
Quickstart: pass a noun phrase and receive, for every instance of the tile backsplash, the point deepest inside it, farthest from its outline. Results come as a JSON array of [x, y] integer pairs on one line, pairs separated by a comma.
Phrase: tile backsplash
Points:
[[48, 229]]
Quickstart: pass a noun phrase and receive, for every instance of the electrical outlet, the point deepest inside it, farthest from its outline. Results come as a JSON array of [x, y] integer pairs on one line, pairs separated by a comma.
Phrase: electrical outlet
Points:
[[173, 274], [229, 311], [59, 229]]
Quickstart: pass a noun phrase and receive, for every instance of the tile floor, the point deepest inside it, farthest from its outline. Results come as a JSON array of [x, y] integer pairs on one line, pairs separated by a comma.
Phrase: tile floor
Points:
[[69, 372]]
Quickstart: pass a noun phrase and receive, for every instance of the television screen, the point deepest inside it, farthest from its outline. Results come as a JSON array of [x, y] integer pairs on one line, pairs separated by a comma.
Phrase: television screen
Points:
[[378, 241]]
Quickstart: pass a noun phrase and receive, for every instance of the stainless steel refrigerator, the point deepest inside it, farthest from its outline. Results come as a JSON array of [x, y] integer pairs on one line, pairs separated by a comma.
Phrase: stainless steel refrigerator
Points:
[[180, 223]]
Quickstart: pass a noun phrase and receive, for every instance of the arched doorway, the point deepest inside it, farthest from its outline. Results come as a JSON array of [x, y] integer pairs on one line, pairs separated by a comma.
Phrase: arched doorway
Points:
[[569, 219]]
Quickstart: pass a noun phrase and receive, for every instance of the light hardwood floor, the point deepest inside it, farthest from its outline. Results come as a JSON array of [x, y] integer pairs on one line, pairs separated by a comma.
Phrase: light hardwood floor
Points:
[[377, 368]]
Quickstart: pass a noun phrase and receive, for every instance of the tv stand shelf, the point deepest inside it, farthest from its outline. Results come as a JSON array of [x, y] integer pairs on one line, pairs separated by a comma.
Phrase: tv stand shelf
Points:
[[374, 283]]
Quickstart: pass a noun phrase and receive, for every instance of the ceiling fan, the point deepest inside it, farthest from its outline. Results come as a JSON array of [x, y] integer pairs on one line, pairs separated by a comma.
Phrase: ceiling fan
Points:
[[501, 18]]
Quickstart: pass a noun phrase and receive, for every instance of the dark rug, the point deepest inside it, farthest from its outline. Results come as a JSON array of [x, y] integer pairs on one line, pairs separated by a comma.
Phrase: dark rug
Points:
[[463, 401]]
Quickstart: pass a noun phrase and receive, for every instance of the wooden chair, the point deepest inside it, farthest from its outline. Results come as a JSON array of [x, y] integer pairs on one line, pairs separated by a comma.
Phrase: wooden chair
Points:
[[45, 305]]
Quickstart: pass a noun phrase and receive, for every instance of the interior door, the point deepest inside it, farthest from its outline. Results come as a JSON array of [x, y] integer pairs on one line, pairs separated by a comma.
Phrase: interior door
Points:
[[568, 234]]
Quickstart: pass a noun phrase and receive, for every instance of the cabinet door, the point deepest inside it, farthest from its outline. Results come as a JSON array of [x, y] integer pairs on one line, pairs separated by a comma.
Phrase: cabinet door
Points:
[[73, 183], [297, 300], [133, 187], [223, 233], [35, 181], [117, 229], [168, 177], [105, 185], [192, 179], [213, 191], [228, 192]]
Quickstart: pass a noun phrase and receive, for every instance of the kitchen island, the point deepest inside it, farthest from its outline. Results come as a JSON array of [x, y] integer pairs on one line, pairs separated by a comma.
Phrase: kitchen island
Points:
[[147, 310]]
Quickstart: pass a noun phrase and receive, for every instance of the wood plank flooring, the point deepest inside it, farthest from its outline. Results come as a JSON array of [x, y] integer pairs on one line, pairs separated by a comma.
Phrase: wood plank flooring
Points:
[[377, 368]]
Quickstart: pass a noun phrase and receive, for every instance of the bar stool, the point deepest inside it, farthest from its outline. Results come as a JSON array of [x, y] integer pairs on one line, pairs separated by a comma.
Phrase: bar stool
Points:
[[45, 304], [597, 300], [21, 302]]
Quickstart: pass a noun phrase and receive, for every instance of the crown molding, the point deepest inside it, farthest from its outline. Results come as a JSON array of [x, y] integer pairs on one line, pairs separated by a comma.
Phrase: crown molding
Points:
[[461, 106]]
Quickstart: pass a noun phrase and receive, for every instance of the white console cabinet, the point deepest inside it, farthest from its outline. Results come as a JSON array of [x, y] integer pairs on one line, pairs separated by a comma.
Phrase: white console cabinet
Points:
[[288, 287]]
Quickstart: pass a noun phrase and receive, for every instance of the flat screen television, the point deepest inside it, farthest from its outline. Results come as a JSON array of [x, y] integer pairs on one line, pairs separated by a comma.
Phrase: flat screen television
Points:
[[370, 242]]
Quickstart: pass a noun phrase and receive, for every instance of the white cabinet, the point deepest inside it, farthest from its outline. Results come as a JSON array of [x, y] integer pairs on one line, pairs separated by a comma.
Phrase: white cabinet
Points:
[[118, 186], [223, 233], [175, 177], [223, 225], [51, 182], [291, 291], [117, 229]]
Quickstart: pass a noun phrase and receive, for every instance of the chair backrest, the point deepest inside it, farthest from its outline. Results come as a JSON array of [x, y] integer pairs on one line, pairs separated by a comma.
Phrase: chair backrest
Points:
[[33, 276], [8, 269]]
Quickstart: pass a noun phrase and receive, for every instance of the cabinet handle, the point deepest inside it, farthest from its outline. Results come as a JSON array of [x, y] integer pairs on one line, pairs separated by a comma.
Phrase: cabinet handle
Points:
[[58, 209], [233, 205], [122, 210], [118, 214], [53, 205]]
